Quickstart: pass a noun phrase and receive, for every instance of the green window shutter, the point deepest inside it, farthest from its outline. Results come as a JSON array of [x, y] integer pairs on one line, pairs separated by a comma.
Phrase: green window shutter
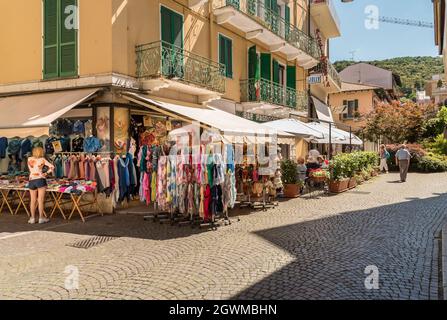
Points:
[[356, 105], [229, 48], [275, 71], [226, 55], [266, 69], [51, 50], [68, 43], [267, 4], [252, 62], [177, 29], [287, 16], [166, 28], [291, 77]]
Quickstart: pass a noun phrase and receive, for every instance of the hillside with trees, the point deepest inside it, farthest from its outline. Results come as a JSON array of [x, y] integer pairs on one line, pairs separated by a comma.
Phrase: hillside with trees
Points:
[[413, 71]]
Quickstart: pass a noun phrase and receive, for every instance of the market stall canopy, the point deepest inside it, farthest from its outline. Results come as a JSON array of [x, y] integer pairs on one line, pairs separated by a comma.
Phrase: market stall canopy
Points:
[[40, 109], [324, 112], [229, 124], [295, 127], [338, 136]]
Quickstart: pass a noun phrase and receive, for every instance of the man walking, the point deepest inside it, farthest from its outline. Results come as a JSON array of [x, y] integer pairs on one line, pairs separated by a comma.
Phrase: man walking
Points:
[[403, 157]]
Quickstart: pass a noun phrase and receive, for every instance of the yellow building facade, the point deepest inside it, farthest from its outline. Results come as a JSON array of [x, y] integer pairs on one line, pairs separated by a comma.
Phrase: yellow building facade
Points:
[[115, 40]]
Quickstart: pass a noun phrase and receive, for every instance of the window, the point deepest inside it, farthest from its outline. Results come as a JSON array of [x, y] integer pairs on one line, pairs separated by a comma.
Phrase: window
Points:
[[351, 110], [226, 55], [60, 39]]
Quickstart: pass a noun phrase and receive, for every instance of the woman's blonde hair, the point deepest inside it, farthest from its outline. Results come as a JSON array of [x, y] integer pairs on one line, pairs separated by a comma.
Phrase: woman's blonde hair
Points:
[[38, 153]]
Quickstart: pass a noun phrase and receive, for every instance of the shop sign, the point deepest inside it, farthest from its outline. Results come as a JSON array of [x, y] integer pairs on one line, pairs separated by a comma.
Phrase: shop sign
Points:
[[315, 78]]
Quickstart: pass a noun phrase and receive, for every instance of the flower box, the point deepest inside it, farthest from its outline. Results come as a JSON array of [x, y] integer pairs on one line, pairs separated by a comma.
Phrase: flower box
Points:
[[338, 186], [352, 183], [291, 190]]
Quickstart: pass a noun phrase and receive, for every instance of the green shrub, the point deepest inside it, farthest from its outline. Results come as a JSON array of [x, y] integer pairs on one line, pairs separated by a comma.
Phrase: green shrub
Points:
[[346, 165], [438, 146], [289, 171], [431, 163]]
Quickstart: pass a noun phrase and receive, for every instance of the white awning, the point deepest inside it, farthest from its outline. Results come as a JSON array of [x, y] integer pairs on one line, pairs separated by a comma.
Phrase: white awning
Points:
[[324, 112], [227, 123], [39, 109], [295, 127], [338, 136]]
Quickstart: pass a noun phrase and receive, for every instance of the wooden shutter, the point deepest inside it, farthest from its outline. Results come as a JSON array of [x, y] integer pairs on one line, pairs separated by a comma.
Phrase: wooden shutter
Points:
[[177, 29], [68, 42], [275, 71], [226, 55], [266, 69], [356, 105], [51, 50], [229, 51], [166, 28], [252, 62], [291, 77]]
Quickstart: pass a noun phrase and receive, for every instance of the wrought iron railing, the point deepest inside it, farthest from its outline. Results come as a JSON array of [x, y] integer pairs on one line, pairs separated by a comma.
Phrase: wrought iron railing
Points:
[[253, 90], [162, 59], [272, 20], [330, 71]]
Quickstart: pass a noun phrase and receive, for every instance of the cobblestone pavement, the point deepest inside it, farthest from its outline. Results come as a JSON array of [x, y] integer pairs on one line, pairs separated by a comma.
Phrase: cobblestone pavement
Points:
[[304, 249]]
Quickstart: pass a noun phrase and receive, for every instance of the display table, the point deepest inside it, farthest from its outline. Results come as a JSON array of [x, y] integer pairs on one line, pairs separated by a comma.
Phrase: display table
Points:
[[11, 195]]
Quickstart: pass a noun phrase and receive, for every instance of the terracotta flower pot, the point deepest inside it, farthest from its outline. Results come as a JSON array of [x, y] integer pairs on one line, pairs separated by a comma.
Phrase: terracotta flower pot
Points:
[[291, 190], [338, 186], [352, 183]]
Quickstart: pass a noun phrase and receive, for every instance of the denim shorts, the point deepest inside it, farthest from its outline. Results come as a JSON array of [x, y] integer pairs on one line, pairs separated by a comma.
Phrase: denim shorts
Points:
[[37, 184]]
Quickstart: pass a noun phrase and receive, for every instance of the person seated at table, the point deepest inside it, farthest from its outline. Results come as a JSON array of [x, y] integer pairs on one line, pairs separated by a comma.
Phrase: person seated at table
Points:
[[324, 164], [312, 164], [39, 169]]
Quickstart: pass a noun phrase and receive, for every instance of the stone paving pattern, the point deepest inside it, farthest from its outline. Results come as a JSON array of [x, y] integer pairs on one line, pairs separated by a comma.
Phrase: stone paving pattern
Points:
[[304, 249]]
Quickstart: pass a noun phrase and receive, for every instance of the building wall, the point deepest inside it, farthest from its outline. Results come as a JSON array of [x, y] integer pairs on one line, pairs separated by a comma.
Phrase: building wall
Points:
[[109, 32], [366, 106]]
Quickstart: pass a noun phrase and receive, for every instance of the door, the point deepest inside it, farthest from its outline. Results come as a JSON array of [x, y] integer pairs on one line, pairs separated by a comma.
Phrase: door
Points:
[[172, 43]]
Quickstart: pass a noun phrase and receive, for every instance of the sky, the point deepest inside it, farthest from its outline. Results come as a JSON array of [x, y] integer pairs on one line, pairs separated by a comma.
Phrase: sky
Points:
[[389, 40]]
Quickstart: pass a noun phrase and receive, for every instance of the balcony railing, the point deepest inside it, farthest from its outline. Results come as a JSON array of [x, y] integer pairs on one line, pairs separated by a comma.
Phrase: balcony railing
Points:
[[331, 6], [162, 59], [331, 72], [253, 90], [272, 21]]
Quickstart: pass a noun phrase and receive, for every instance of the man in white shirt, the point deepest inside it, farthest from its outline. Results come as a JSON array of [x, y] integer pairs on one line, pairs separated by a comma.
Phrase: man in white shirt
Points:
[[403, 157]]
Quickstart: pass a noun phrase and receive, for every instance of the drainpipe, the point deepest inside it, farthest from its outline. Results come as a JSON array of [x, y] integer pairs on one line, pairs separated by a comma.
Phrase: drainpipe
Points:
[[309, 96], [211, 45]]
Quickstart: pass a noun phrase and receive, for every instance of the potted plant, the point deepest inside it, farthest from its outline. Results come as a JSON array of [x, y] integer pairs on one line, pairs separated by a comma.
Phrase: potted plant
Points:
[[338, 182], [290, 179]]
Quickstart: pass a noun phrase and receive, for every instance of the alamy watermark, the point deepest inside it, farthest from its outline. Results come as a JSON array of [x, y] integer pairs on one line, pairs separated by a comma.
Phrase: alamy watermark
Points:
[[372, 278], [72, 278]]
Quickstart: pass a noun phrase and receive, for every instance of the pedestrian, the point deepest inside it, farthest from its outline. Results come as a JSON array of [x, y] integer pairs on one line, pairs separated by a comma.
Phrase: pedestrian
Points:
[[384, 156], [302, 173], [39, 168], [403, 158]]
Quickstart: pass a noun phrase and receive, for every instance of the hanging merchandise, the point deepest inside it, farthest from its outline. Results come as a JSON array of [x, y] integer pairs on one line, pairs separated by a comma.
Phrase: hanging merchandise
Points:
[[3, 147], [92, 144]]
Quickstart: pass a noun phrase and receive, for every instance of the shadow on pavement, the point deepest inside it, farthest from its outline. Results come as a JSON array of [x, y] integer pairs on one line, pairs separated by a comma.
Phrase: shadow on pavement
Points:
[[331, 254]]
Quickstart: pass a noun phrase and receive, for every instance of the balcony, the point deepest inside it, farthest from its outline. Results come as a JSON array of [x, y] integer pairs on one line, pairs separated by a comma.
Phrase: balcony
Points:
[[264, 92], [266, 26], [327, 77], [326, 17], [161, 65]]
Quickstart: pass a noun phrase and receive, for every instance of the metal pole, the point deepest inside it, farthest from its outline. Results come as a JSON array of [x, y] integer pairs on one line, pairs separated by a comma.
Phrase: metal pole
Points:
[[350, 139], [330, 141]]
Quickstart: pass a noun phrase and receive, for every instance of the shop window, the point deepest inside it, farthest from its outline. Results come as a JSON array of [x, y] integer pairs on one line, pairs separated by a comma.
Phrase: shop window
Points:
[[226, 55], [60, 39]]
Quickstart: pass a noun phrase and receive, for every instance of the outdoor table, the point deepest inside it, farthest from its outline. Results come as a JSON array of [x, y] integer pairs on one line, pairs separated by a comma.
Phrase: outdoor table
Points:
[[77, 204], [11, 194], [5, 192]]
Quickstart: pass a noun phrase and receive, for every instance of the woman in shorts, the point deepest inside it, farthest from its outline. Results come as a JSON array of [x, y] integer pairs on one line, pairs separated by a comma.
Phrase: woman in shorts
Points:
[[39, 168]]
